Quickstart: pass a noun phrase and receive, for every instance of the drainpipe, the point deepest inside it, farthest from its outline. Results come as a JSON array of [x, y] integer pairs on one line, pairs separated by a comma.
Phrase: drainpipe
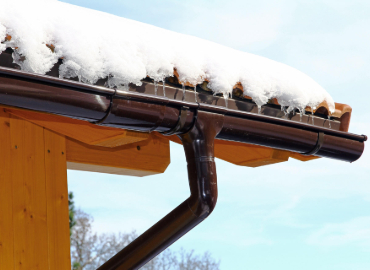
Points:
[[199, 150]]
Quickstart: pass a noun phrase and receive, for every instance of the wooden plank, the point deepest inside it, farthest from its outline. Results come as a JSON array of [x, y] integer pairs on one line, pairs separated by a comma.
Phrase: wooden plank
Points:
[[244, 154], [80, 130], [302, 157], [29, 195], [6, 198], [248, 155], [57, 200], [108, 169], [127, 137], [139, 159]]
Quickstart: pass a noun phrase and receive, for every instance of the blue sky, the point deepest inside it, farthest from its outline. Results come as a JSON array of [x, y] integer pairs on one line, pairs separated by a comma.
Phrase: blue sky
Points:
[[292, 215]]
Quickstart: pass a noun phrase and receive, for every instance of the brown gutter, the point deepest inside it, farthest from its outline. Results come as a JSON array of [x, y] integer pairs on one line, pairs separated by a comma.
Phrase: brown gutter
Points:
[[146, 113]]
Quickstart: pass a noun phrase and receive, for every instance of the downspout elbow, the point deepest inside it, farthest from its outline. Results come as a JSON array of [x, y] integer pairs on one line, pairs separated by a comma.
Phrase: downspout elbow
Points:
[[198, 144], [202, 204], [199, 150]]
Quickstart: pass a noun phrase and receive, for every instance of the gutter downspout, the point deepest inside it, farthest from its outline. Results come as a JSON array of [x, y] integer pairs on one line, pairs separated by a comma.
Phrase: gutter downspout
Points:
[[199, 150]]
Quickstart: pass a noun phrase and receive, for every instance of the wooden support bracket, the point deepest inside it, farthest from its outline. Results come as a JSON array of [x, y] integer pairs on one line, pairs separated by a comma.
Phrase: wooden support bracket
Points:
[[142, 158]]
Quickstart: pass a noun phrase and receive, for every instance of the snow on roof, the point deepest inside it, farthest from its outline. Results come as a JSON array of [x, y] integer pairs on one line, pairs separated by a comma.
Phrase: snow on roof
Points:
[[96, 45]]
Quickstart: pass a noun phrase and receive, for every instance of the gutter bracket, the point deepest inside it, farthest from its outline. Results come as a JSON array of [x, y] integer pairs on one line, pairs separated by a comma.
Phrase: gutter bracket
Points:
[[101, 121], [198, 144], [319, 143], [180, 123]]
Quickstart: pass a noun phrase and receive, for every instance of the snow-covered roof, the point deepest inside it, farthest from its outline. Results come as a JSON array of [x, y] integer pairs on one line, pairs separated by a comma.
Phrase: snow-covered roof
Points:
[[95, 45]]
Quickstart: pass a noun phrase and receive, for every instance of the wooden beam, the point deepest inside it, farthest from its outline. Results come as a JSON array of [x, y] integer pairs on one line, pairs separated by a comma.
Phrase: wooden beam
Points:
[[79, 130], [29, 195], [249, 155], [57, 200], [104, 149], [244, 154], [6, 196], [302, 157], [142, 158], [34, 218], [126, 137]]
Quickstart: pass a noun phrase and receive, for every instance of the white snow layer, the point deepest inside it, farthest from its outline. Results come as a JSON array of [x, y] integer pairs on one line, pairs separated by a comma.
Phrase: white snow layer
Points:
[[96, 45]]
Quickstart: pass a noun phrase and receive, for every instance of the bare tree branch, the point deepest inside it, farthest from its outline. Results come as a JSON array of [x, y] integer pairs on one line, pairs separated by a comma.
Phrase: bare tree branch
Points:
[[89, 250]]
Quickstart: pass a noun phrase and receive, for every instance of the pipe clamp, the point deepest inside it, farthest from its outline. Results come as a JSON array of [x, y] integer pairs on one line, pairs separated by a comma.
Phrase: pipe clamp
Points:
[[319, 143]]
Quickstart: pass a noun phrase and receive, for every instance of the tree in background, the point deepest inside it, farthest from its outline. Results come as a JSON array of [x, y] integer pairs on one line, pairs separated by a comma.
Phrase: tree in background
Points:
[[90, 250], [72, 212]]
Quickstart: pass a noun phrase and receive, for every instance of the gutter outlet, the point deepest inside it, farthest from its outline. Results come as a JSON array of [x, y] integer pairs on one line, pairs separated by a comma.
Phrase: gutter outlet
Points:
[[199, 150]]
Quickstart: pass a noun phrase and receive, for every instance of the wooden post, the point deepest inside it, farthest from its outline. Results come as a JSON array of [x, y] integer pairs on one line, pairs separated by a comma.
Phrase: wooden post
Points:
[[34, 230]]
